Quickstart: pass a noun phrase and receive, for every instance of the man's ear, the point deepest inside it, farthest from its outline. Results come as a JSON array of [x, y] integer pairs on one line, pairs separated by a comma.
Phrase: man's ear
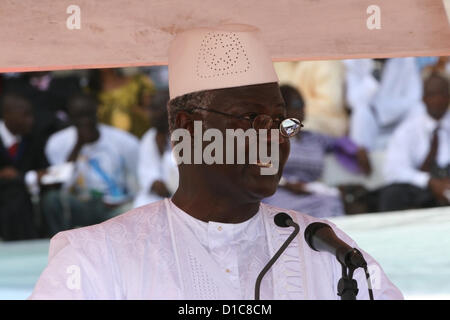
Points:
[[185, 120]]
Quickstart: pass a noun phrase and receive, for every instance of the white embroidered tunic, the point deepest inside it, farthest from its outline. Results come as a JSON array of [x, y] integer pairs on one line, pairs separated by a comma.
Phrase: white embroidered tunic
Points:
[[159, 251]]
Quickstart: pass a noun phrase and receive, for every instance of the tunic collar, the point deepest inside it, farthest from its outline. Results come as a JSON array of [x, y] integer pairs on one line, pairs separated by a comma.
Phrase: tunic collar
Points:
[[211, 234]]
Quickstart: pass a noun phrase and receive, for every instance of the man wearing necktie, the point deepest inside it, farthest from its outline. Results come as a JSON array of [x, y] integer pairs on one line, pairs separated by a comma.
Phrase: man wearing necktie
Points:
[[22, 163], [418, 156]]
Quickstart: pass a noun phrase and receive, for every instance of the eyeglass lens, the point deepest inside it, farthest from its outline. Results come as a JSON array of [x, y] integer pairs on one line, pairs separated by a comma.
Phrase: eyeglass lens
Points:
[[288, 127]]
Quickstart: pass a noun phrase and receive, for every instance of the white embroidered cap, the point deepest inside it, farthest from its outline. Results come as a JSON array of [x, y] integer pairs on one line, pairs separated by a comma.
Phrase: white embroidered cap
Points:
[[214, 58]]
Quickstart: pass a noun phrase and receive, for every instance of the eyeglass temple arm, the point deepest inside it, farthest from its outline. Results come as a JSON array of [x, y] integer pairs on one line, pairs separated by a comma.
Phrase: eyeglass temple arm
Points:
[[218, 112]]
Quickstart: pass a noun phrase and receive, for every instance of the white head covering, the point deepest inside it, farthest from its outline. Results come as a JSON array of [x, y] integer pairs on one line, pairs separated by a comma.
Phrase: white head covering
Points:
[[215, 58]]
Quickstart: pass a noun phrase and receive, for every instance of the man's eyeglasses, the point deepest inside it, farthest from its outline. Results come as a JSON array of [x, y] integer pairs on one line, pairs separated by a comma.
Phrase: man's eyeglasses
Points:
[[288, 127]]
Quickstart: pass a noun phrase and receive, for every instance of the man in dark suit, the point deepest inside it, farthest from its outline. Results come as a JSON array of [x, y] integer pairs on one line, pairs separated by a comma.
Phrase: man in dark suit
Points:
[[48, 95], [22, 164]]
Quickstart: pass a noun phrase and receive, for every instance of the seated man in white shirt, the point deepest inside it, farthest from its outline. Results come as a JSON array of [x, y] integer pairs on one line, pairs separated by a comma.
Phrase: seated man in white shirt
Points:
[[104, 181], [157, 170], [382, 94], [214, 236], [417, 163]]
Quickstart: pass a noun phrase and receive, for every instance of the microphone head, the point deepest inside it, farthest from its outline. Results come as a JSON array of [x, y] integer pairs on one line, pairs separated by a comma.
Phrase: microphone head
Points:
[[281, 219], [311, 230]]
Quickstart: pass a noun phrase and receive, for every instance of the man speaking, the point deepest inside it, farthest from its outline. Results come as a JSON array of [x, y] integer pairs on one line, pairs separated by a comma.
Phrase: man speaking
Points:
[[212, 239]]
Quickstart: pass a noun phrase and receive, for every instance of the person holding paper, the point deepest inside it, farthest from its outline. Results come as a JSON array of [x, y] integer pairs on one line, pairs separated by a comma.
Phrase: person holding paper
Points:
[[104, 180]]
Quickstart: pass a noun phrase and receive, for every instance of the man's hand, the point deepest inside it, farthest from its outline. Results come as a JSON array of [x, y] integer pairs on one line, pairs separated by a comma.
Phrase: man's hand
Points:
[[41, 173], [363, 161], [160, 189], [438, 187], [9, 173], [87, 135]]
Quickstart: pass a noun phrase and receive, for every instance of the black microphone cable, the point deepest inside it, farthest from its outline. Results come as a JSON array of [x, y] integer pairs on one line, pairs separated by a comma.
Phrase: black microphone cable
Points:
[[369, 281], [283, 220]]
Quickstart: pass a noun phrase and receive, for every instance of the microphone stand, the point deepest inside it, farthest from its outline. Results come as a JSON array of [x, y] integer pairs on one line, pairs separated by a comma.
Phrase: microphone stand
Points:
[[290, 223], [347, 286]]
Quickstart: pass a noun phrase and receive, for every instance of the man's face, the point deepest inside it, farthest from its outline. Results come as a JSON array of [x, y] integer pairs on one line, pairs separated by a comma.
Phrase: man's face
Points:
[[84, 117], [436, 97], [295, 107], [19, 119], [246, 179]]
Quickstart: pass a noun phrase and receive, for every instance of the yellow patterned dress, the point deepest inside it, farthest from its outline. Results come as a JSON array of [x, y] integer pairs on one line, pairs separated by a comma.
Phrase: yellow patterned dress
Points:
[[126, 107]]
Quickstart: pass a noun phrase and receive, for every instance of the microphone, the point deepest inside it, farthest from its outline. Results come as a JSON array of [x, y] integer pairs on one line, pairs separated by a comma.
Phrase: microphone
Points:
[[321, 237], [282, 220]]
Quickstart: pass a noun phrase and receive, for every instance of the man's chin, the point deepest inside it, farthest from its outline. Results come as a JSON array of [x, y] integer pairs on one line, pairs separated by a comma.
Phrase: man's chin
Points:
[[263, 187], [259, 194]]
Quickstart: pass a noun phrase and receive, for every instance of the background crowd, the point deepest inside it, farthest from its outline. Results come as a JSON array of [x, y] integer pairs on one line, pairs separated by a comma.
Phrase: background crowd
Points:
[[79, 147]]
